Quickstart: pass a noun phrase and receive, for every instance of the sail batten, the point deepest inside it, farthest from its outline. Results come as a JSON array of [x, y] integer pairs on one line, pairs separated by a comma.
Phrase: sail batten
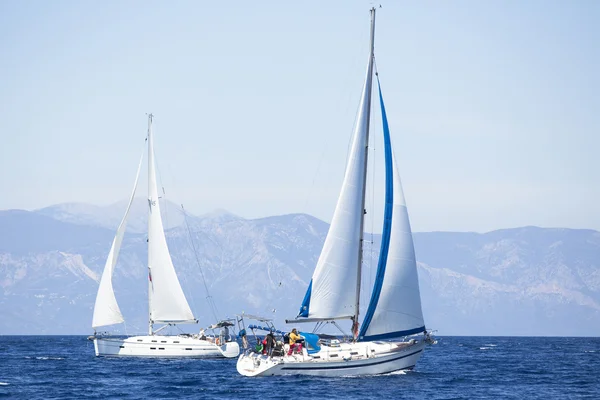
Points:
[[106, 308]]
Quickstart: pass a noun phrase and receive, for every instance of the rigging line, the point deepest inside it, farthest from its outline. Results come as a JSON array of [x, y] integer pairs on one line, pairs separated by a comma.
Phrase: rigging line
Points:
[[162, 187], [209, 298], [164, 210], [325, 148], [164, 194], [271, 306], [312, 185]]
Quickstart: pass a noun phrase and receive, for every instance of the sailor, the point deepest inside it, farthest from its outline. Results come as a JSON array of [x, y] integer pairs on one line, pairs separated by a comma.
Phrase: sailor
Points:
[[269, 344], [259, 346], [294, 341], [225, 333]]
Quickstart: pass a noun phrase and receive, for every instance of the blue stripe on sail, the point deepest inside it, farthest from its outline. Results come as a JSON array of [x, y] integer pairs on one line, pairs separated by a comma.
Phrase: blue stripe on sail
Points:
[[387, 221], [392, 335], [306, 302]]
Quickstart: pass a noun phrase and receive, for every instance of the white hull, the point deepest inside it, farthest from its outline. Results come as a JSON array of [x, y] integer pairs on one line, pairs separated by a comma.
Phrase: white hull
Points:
[[164, 346], [349, 359]]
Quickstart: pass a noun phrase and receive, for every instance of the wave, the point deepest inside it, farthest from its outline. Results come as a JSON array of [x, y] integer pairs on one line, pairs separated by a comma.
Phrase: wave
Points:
[[401, 372]]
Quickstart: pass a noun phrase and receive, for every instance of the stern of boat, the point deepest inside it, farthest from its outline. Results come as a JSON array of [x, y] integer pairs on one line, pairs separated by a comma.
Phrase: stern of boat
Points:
[[256, 365], [230, 349]]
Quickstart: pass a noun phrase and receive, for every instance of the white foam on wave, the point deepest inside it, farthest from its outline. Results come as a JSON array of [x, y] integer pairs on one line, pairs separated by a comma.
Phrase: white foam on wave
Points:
[[490, 344], [401, 372], [49, 358], [4, 383], [485, 348]]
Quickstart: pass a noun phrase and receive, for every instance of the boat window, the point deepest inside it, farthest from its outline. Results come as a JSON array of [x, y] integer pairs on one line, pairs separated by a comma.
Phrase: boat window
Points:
[[188, 348], [140, 340], [152, 348], [154, 341], [163, 341], [122, 347], [333, 355], [161, 348], [354, 353], [176, 341]]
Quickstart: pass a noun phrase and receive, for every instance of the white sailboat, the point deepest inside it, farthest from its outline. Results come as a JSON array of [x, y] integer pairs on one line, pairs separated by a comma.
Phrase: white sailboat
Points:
[[392, 335], [167, 304]]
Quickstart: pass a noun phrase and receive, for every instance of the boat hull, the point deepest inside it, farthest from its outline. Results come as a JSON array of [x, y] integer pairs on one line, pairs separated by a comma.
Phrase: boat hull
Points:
[[382, 360], [163, 346]]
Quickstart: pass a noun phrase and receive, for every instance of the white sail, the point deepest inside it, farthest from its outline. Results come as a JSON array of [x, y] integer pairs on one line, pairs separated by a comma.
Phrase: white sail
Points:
[[167, 301], [106, 309], [398, 311], [333, 293]]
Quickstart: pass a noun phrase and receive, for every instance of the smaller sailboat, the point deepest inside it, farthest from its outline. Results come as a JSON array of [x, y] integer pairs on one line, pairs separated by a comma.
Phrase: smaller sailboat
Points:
[[393, 335], [167, 304]]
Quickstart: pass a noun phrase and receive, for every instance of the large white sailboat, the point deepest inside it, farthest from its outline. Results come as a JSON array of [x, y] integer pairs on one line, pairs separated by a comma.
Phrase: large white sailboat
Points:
[[167, 304], [392, 335]]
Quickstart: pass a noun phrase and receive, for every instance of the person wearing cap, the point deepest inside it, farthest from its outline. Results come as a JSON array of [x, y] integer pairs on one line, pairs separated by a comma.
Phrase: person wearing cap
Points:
[[294, 337]]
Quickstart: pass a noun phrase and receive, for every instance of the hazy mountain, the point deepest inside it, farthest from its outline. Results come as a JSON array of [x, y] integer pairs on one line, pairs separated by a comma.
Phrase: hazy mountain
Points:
[[110, 216], [523, 281]]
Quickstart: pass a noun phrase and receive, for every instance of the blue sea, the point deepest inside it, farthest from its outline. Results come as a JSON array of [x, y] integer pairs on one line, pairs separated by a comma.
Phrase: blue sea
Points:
[[64, 367]]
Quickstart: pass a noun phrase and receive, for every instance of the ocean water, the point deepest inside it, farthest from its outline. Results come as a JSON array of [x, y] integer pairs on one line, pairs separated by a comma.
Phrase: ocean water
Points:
[[64, 367]]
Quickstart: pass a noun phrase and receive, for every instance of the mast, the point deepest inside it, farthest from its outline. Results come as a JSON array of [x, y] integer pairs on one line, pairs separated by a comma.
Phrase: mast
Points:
[[150, 171], [362, 219]]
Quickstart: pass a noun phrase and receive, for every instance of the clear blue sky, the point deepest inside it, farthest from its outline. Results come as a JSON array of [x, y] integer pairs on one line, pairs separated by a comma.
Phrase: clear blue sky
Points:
[[493, 105]]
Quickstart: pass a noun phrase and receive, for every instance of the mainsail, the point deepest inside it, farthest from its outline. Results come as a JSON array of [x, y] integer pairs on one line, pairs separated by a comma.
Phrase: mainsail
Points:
[[167, 301], [331, 293], [106, 308]]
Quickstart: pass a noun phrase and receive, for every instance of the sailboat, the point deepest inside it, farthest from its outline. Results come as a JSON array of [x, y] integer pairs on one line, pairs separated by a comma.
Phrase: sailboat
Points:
[[392, 335], [167, 304]]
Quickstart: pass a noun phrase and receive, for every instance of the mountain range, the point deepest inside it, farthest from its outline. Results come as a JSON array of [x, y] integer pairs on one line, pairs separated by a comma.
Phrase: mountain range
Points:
[[522, 281]]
